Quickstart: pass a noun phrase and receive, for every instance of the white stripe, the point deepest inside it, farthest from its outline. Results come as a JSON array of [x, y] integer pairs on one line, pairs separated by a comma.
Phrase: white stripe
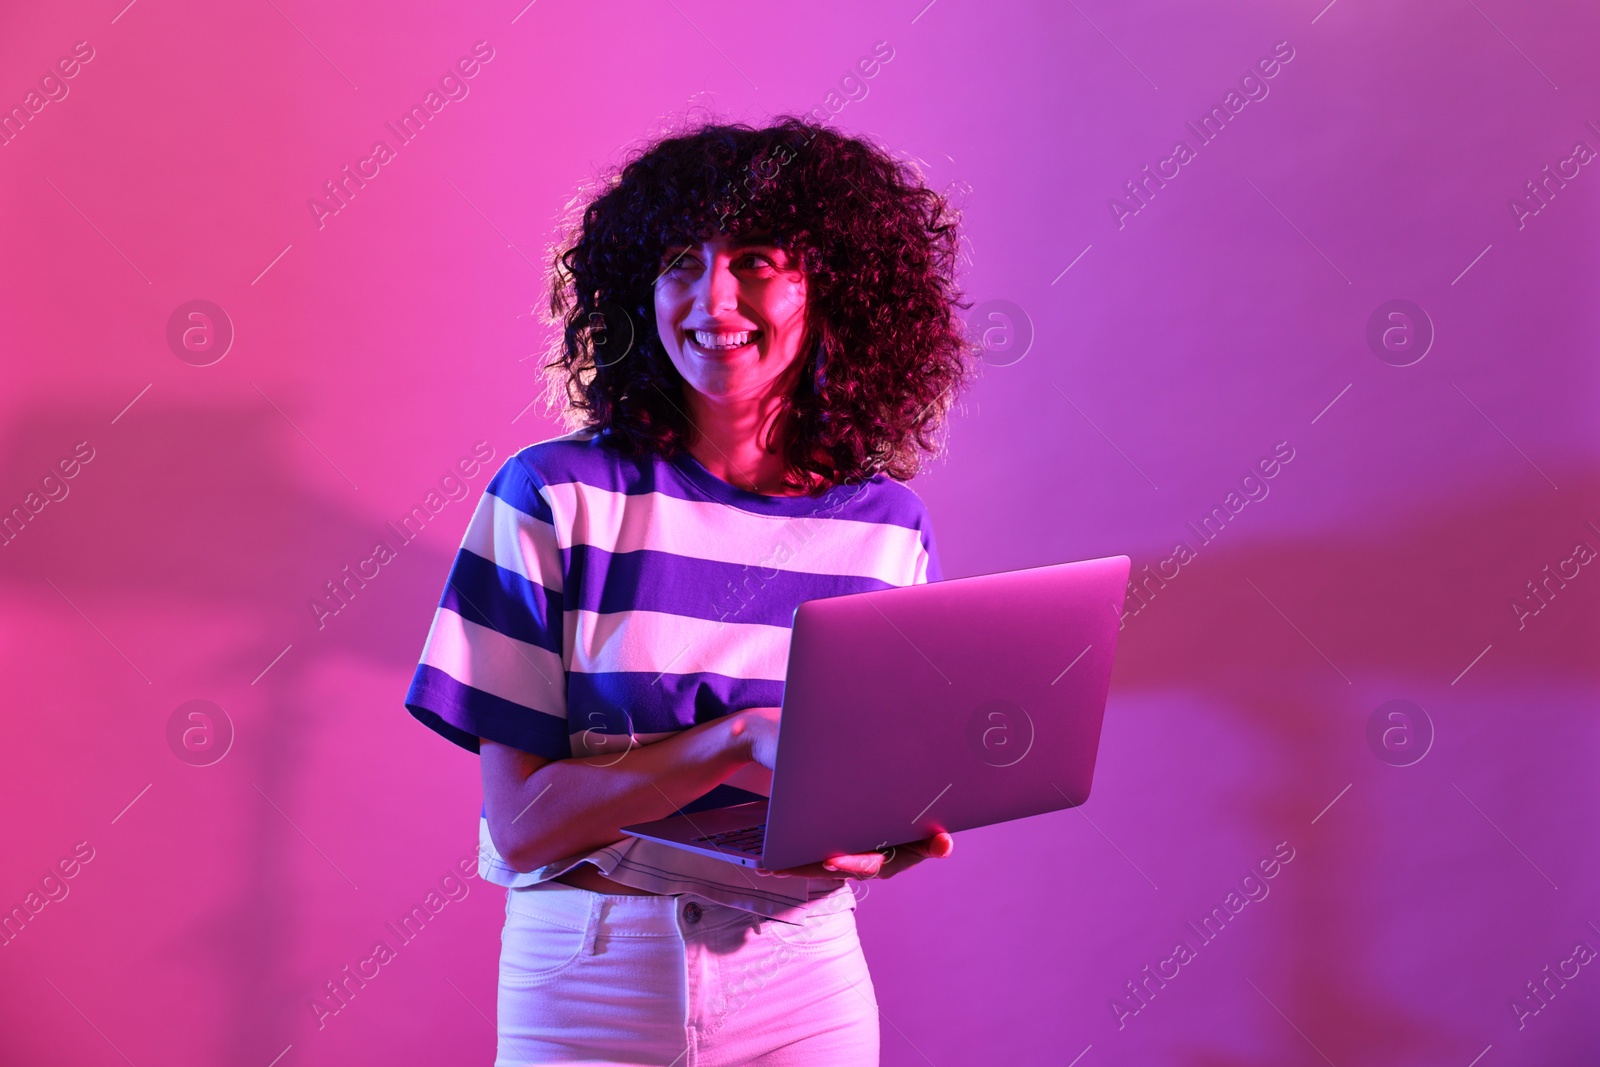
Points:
[[487, 659], [658, 643], [515, 540], [821, 544]]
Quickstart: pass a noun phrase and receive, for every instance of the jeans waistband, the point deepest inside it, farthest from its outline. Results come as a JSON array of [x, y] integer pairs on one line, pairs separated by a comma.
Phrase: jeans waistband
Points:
[[625, 915]]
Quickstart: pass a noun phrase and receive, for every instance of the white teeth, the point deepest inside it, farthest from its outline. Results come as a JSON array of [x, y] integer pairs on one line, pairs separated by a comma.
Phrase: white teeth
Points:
[[708, 340]]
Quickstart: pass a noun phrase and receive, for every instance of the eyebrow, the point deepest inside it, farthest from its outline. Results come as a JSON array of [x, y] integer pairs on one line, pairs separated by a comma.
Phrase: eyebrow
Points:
[[755, 240]]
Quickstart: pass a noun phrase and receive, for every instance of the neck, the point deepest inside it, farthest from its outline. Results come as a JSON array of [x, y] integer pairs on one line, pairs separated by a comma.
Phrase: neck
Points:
[[739, 440]]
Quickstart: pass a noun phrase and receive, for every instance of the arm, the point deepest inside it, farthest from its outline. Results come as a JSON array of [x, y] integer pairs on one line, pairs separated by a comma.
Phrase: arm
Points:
[[540, 810]]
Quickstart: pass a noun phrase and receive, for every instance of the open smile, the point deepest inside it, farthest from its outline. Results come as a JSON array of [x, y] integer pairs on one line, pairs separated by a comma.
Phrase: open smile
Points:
[[721, 342]]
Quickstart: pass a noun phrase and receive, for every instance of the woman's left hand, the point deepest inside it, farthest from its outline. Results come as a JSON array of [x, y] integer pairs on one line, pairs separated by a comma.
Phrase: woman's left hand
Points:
[[885, 864]]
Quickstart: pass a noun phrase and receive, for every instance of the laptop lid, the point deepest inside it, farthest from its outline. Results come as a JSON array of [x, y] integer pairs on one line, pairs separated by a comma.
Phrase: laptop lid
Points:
[[943, 706]]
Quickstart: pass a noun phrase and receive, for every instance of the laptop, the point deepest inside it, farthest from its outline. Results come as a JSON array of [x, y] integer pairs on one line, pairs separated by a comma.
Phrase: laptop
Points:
[[942, 706]]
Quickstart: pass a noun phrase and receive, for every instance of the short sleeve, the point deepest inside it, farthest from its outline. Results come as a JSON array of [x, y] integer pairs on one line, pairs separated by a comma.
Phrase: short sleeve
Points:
[[932, 571], [492, 664]]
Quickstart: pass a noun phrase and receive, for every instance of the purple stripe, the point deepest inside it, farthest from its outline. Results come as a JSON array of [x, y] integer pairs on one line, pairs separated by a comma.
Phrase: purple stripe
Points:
[[464, 714], [646, 580], [514, 483], [503, 600]]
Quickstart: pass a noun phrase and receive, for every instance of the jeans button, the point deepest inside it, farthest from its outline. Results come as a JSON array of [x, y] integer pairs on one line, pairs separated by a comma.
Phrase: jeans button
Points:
[[691, 912]]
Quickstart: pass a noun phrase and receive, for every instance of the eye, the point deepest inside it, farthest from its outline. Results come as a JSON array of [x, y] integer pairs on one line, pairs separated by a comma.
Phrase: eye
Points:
[[676, 262], [757, 259]]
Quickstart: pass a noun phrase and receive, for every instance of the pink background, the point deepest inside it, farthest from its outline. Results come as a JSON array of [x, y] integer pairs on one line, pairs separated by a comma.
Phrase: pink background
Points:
[[1226, 316]]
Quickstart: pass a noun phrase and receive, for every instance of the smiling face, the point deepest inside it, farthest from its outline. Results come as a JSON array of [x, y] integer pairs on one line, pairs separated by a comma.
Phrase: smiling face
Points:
[[731, 316]]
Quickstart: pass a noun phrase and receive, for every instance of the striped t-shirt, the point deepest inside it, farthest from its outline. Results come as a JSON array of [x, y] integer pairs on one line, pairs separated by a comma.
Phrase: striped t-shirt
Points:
[[598, 597]]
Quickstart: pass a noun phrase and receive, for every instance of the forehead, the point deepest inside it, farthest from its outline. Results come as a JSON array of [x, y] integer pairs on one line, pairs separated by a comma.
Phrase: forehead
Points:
[[723, 242]]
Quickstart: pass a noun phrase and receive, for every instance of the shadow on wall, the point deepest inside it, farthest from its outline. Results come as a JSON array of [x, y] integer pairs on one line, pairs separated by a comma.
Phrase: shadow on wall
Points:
[[204, 511], [1490, 591]]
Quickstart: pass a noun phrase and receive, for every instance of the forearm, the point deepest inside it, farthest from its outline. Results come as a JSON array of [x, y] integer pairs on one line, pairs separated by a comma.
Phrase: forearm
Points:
[[570, 806]]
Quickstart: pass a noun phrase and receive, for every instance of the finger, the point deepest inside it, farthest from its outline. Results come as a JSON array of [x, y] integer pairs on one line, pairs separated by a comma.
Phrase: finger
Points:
[[849, 865], [913, 850], [907, 859], [852, 868], [938, 846], [862, 865]]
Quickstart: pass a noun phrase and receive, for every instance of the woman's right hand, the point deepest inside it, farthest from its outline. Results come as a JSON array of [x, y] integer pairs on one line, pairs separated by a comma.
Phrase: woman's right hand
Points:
[[756, 730]]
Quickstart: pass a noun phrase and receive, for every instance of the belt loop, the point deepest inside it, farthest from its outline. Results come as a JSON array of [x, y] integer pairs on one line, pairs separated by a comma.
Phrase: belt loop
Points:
[[592, 927]]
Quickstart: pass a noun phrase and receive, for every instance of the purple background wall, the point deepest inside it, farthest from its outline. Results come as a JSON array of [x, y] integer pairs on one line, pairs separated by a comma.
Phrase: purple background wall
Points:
[[1171, 349]]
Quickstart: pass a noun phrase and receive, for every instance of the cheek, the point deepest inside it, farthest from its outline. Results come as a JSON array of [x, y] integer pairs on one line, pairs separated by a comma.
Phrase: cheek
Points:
[[666, 315], [786, 306]]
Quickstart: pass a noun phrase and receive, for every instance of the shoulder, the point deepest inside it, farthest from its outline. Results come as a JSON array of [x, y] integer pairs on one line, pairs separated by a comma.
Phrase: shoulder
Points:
[[575, 458], [556, 475], [886, 502], [879, 499], [523, 478], [560, 459]]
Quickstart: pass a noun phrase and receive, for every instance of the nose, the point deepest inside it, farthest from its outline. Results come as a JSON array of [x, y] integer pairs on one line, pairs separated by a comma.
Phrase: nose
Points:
[[717, 289]]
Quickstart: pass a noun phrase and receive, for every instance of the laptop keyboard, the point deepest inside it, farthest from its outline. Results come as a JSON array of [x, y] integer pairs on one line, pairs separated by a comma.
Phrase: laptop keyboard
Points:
[[747, 839]]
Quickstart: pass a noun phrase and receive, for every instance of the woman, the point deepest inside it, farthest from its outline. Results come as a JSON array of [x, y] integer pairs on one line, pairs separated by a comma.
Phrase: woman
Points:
[[759, 343]]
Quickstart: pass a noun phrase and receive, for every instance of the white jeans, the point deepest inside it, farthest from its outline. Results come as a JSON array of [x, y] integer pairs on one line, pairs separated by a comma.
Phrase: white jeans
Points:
[[679, 981]]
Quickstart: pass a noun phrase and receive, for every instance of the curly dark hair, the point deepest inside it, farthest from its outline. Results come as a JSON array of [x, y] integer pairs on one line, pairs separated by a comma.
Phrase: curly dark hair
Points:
[[885, 349]]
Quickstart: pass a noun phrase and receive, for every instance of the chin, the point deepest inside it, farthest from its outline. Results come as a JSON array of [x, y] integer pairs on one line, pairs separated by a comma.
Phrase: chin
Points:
[[717, 388]]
